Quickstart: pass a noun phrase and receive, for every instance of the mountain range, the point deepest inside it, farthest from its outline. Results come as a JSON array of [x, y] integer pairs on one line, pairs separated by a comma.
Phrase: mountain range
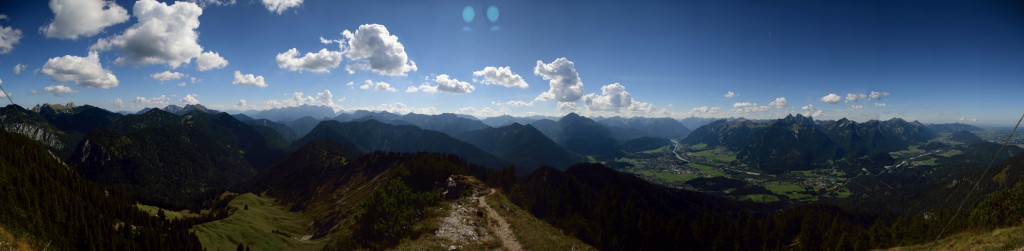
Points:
[[523, 145], [367, 183], [798, 142], [174, 156], [371, 135]]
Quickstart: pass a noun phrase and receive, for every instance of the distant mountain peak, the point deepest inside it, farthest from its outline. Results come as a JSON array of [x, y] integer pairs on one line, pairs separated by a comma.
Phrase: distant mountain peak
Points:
[[295, 112], [572, 118], [897, 120], [189, 108], [54, 108], [798, 119]]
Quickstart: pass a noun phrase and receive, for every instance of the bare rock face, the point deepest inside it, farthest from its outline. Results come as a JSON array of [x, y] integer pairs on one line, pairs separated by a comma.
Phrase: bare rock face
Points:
[[465, 222], [36, 133], [459, 186]]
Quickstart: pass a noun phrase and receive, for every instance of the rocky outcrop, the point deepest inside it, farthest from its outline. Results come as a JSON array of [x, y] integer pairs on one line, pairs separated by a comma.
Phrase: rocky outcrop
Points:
[[37, 133]]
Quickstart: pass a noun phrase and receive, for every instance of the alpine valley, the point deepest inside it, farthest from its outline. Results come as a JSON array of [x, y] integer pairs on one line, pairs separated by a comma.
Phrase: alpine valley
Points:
[[195, 178]]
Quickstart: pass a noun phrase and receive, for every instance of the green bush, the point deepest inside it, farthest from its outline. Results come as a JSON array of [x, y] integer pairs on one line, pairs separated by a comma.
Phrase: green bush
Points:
[[388, 215]]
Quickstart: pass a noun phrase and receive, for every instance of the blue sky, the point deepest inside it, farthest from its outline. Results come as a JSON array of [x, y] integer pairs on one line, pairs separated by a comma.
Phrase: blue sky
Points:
[[934, 61]]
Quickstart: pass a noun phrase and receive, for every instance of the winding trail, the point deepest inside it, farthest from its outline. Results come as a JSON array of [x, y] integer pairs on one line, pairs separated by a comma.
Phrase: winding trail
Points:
[[502, 229]]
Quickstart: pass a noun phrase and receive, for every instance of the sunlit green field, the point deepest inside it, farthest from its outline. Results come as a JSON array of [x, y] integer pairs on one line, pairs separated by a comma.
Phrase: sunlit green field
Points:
[[760, 198], [1000, 239], [668, 177], [152, 210], [255, 227]]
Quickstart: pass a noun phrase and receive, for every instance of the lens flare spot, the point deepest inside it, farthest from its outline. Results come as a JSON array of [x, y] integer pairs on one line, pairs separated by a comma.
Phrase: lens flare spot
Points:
[[468, 14], [493, 13]]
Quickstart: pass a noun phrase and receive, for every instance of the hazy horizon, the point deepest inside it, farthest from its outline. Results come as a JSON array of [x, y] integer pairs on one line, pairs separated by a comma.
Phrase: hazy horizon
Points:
[[552, 115]]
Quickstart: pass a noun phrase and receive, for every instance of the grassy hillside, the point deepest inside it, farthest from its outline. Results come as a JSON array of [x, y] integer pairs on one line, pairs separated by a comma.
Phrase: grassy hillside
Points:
[[1011, 238], [42, 198], [533, 233], [265, 225], [10, 242], [465, 223]]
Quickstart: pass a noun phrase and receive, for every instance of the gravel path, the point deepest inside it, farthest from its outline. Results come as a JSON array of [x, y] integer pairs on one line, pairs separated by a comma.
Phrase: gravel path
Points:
[[502, 229]]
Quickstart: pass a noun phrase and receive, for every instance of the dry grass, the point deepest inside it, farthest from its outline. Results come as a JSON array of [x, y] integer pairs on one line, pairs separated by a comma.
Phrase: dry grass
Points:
[[256, 227], [426, 239], [8, 241], [999, 239], [531, 232]]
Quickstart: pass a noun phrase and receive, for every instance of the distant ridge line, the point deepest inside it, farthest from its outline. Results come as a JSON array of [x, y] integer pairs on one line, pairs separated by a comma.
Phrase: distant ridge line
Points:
[[975, 187]]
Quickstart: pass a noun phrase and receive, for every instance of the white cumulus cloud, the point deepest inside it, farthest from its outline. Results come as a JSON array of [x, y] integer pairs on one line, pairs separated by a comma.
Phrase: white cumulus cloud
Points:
[[445, 84], [205, 3], [279, 6], [881, 105], [857, 107], [2, 94], [874, 95], [160, 101], [779, 103], [320, 62], [249, 80], [164, 34], [730, 94], [704, 110], [502, 76], [612, 98], [84, 71], [210, 60], [323, 98], [482, 112], [810, 110], [373, 48], [8, 38], [567, 106], [968, 119], [377, 86], [18, 68], [514, 103], [831, 98], [749, 107], [564, 81], [400, 108], [167, 75], [58, 90], [854, 97], [82, 18], [452, 85], [642, 108], [191, 98]]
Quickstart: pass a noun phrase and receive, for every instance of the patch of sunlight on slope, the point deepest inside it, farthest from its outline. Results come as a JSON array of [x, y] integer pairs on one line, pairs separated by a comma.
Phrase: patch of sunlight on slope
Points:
[[266, 225], [174, 215], [8, 241], [529, 232], [1000, 239]]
